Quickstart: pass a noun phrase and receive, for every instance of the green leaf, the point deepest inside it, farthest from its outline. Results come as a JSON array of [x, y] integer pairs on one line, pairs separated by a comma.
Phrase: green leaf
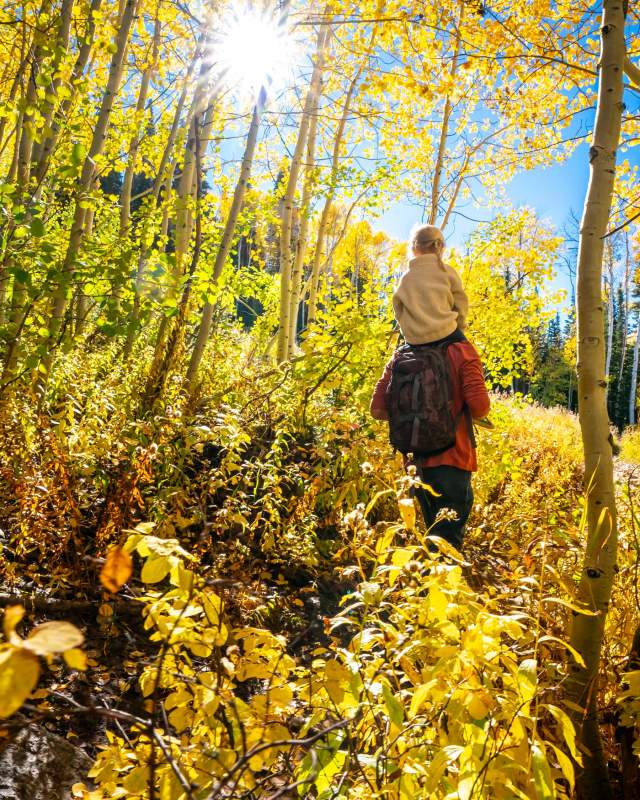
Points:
[[395, 709], [541, 773], [21, 275], [78, 154], [37, 227]]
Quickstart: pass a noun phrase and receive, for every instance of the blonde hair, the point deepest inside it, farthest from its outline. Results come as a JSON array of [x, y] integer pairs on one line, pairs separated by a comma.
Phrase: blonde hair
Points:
[[426, 239]]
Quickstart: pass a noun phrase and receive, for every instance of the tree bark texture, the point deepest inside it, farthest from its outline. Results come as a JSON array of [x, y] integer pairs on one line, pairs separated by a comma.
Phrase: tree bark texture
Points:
[[286, 257], [227, 239], [303, 236], [116, 69], [444, 129], [134, 144], [634, 375], [600, 555], [320, 249]]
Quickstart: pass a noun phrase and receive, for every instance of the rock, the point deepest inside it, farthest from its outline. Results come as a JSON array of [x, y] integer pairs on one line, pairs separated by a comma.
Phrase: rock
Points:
[[38, 765]]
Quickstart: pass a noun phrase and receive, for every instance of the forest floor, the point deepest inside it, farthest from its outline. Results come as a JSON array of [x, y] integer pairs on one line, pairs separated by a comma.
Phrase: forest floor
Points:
[[293, 576]]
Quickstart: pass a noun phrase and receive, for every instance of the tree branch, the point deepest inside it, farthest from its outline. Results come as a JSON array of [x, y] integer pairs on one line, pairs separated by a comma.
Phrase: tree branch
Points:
[[632, 72]]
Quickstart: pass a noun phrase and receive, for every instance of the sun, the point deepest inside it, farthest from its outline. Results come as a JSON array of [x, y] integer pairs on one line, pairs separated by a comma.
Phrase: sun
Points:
[[253, 51]]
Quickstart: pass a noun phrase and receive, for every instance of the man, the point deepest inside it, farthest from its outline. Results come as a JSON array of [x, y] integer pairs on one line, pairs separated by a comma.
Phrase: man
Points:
[[449, 473]]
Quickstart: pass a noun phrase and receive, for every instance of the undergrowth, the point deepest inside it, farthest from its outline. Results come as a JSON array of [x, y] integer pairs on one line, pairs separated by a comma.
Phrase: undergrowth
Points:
[[297, 634]]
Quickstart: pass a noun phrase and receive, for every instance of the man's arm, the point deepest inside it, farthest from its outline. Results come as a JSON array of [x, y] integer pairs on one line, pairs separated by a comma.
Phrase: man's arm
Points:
[[474, 390], [378, 407]]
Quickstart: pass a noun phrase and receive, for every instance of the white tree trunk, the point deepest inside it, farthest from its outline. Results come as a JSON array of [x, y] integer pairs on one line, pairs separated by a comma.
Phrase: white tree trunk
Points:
[[600, 552], [303, 237], [634, 375], [227, 239], [134, 144], [444, 129], [286, 260], [116, 69], [319, 255]]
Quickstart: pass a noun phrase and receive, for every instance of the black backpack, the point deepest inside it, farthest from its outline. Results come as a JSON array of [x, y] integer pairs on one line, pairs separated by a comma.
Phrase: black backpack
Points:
[[419, 399]]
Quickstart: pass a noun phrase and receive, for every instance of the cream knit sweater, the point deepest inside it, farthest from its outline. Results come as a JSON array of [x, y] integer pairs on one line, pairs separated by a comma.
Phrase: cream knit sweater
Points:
[[429, 302]]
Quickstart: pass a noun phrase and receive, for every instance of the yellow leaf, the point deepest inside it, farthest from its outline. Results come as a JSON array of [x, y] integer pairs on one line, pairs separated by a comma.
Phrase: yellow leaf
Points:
[[136, 781], [155, 569], [12, 617], [568, 730], [117, 569], [407, 512], [577, 656], [437, 604], [419, 696], [477, 708], [53, 637], [19, 671], [75, 659]]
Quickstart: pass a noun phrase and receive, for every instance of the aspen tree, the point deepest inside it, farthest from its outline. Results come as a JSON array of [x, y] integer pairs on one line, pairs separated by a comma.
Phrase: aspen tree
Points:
[[319, 255], [162, 365], [85, 181], [22, 162], [162, 182], [189, 180], [31, 103], [224, 248], [303, 236], [134, 144], [600, 559], [444, 130], [52, 133], [633, 390], [286, 259], [609, 261], [51, 97]]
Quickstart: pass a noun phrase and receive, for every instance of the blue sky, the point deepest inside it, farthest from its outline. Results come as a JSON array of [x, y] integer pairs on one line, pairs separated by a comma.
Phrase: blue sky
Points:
[[553, 191]]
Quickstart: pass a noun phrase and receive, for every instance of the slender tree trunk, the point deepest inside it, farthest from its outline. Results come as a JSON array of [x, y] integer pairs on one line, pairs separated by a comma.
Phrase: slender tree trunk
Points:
[[134, 144], [303, 236], [148, 229], [16, 83], [610, 311], [59, 305], [319, 255], [31, 106], [624, 324], [444, 129], [48, 145], [186, 185], [175, 340], [22, 166], [600, 557], [286, 259], [81, 299], [185, 202], [61, 48], [227, 238], [634, 375]]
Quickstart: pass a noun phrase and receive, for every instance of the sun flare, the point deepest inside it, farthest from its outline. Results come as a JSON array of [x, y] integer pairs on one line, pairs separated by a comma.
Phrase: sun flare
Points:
[[253, 51]]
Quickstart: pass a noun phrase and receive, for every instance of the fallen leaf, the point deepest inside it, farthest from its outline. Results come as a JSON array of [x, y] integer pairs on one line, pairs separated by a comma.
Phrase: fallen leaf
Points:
[[116, 569]]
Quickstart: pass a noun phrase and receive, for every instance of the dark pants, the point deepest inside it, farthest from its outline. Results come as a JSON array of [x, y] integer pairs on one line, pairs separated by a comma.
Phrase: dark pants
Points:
[[454, 487]]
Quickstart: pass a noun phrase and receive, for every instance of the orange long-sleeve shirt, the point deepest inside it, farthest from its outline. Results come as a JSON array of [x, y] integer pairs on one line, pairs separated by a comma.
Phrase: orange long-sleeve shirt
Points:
[[468, 388]]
